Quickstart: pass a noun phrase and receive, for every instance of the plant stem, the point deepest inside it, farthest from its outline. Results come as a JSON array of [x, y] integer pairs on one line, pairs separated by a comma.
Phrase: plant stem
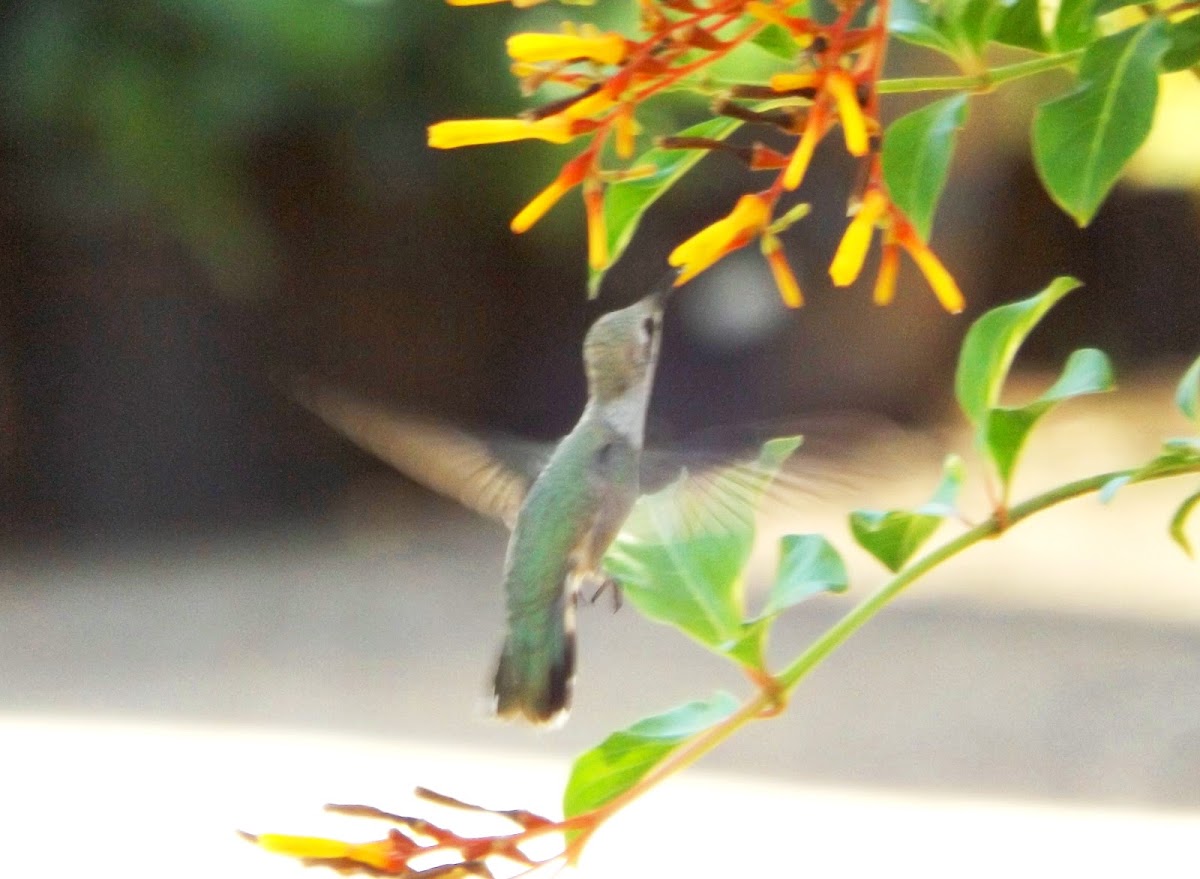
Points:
[[840, 631], [980, 82], [761, 703]]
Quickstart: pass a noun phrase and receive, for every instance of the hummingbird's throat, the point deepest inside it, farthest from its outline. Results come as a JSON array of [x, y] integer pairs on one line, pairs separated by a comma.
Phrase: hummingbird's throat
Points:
[[626, 412]]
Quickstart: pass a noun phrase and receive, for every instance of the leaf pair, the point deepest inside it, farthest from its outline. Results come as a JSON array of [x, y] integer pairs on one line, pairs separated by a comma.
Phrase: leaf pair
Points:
[[1082, 140], [987, 355], [991, 344], [960, 29], [682, 552], [894, 536], [680, 560], [1178, 452]]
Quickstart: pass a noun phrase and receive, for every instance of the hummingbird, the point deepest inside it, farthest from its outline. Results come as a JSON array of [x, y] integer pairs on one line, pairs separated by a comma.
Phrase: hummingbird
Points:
[[562, 521]]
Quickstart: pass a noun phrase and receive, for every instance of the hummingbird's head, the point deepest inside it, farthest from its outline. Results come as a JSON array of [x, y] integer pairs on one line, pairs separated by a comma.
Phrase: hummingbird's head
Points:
[[621, 348]]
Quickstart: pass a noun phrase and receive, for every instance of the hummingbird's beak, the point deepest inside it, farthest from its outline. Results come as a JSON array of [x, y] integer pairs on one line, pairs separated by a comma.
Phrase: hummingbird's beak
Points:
[[664, 288]]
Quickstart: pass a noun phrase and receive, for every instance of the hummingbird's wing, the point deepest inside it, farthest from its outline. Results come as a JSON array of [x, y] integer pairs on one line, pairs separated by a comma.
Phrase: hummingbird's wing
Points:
[[439, 457], [720, 474]]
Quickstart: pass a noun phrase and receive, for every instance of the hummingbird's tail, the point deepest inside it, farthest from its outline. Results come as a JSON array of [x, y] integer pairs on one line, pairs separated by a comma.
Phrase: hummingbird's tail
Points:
[[537, 668]]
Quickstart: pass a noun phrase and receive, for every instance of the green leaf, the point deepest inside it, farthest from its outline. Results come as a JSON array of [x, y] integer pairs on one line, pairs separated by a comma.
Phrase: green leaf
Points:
[[1109, 490], [1179, 452], [975, 22], [1022, 27], [1026, 25], [1103, 7], [892, 536], [1005, 433], [958, 28], [627, 200], [1087, 371], [992, 343], [624, 758], [1074, 26], [777, 41], [1082, 140], [1187, 394], [914, 22], [916, 157], [1185, 45], [983, 366], [808, 566], [1179, 521], [944, 502], [680, 556]]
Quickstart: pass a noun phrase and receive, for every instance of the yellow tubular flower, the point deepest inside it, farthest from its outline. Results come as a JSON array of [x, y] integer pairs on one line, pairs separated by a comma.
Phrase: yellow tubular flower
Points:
[[537, 208], [627, 129], [748, 218], [848, 260], [854, 124], [597, 230], [787, 82], [889, 267], [785, 279], [455, 133], [773, 15], [814, 128], [590, 106], [375, 854], [570, 176], [766, 13], [944, 287], [605, 48]]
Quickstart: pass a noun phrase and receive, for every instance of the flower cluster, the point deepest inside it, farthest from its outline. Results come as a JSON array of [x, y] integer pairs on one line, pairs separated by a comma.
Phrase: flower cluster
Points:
[[415, 847], [831, 80]]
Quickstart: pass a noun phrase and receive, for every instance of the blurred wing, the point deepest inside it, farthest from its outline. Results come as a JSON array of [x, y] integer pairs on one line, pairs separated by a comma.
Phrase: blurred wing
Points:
[[445, 460], [713, 494], [721, 478]]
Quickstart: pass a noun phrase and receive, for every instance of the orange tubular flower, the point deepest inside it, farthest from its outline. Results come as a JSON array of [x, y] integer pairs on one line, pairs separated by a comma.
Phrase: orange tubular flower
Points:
[[747, 219], [854, 124], [848, 260], [605, 48], [455, 133], [571, 175], [944, 287], [785, 279]]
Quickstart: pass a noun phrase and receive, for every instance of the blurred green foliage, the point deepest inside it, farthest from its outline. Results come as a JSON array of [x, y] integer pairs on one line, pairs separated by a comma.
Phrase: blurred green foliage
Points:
[[161, 108]]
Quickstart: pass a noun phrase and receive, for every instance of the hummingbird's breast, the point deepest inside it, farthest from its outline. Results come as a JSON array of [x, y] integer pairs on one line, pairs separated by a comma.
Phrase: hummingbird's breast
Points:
[[571, 515]]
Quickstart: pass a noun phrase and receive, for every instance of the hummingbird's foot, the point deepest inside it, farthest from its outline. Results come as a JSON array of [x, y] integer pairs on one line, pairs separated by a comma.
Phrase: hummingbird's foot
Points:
[[609, 583]]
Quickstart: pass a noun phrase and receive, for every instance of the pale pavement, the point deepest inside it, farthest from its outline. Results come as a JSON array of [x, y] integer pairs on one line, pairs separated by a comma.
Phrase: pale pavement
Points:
[[1056, 672]]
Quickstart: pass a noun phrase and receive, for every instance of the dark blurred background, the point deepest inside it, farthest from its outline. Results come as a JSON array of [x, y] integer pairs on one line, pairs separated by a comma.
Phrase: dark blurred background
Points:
[[197, 196]]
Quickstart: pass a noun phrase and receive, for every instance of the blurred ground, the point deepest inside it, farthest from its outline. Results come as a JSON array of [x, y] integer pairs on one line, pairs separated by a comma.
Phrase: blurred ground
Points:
[[1056, 663], [1037, 700]]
